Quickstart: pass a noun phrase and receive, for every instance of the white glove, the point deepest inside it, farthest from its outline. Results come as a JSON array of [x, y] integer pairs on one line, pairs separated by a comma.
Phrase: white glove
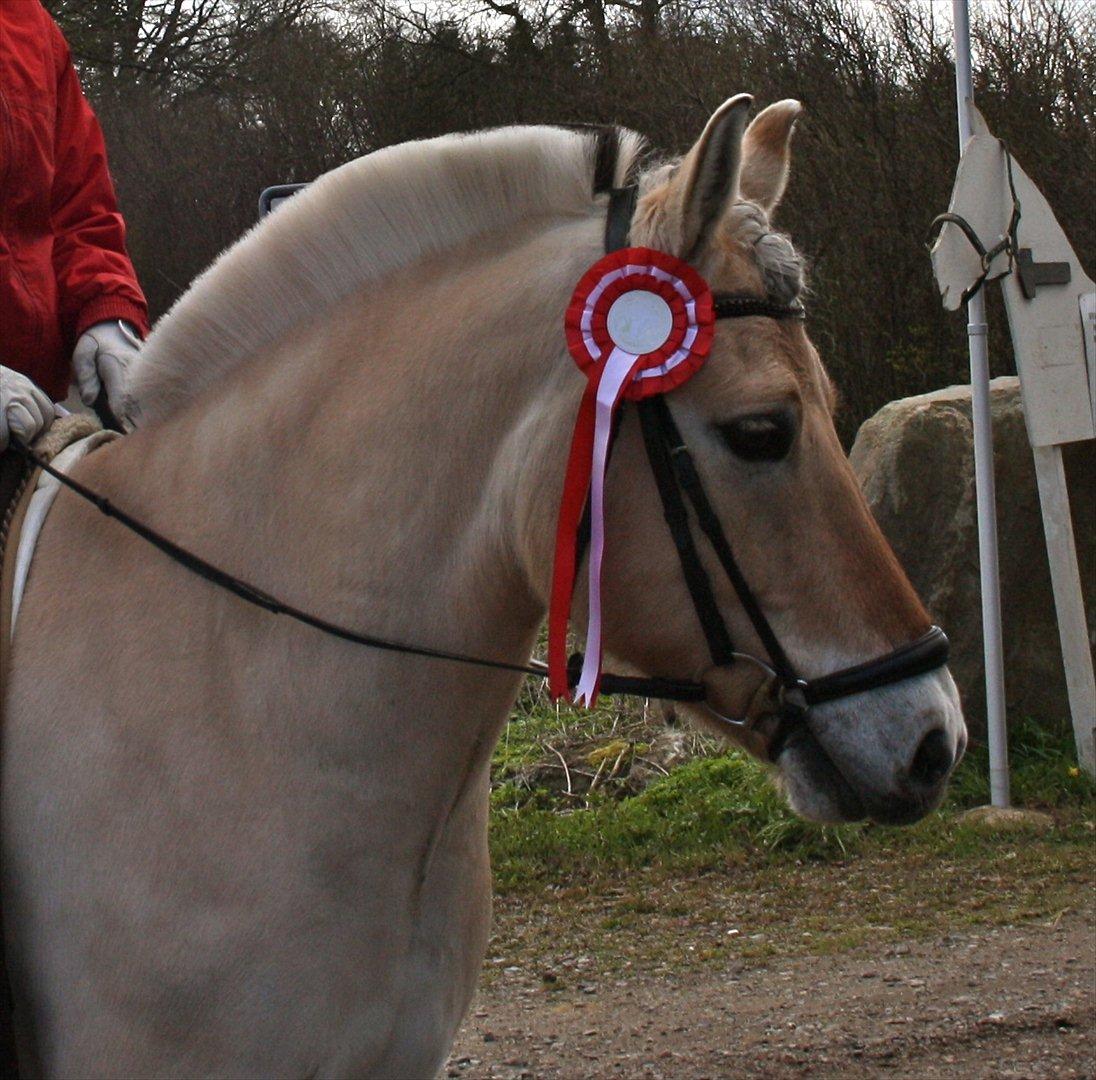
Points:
[[25, 411], [100, 360]]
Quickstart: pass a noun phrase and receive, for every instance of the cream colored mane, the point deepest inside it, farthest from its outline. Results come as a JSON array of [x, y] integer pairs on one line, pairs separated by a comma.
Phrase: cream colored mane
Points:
[[356, 224]]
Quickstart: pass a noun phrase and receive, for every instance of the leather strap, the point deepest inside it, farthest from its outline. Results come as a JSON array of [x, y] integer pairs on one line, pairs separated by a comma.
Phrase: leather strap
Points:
[[618, 221], [663, 689], [730, 306], [687, 476], [720, 646], [927, 653]]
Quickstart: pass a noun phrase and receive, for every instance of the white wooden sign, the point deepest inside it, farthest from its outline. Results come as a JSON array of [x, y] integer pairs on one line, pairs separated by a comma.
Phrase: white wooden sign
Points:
[[1047, 331], [1052, 317]]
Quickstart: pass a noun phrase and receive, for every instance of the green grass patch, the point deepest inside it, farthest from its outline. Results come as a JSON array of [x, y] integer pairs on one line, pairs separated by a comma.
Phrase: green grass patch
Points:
[[1043, 770], [699, 816], [722, 810]]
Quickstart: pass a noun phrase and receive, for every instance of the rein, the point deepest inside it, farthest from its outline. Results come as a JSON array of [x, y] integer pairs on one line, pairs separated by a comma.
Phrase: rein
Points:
[[669, 689], [926, 653]]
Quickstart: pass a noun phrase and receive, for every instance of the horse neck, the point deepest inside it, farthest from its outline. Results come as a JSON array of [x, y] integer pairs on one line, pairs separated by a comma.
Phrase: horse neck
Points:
[[374, 459]]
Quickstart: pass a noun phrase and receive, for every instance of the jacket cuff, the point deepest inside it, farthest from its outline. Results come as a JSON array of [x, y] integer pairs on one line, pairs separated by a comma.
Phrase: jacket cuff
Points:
[[113, 307]]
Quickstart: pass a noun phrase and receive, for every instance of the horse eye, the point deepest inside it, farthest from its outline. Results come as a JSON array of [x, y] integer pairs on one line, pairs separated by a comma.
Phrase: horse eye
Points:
[[760, 436]]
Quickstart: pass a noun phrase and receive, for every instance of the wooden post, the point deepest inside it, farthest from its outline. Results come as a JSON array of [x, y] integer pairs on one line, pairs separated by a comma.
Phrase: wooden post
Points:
[[1065, 577]]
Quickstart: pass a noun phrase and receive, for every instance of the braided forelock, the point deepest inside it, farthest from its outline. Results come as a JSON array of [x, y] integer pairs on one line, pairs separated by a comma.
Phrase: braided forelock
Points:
[[781, 266]]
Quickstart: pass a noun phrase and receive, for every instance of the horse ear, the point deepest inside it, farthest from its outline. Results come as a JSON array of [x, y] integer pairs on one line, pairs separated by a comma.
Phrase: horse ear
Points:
[[707, 181], [766, 150]]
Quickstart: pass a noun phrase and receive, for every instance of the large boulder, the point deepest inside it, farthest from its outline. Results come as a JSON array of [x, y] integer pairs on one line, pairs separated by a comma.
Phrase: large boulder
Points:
[[915, 461]]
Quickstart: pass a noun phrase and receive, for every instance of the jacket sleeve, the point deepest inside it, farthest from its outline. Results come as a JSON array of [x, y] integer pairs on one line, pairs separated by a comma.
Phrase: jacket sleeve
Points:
[[95, 278]]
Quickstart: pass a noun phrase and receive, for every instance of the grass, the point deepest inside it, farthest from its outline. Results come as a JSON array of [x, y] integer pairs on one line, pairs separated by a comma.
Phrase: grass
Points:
[[1043, 770], [664, 877], [722, 806]]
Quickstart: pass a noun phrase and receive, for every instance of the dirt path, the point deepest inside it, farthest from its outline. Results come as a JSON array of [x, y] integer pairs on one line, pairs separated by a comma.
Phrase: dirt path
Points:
[[1005, 1002]]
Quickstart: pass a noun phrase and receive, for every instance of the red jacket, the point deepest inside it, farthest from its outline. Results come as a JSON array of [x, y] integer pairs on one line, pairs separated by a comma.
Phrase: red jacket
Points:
[[63, 261]]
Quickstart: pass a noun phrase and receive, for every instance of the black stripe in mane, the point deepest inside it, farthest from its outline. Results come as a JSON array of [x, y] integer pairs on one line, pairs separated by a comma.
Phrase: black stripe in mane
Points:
[[606, 154]]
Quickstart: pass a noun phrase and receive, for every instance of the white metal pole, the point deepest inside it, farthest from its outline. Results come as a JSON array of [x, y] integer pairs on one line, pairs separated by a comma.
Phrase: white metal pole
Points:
[[983, 461]]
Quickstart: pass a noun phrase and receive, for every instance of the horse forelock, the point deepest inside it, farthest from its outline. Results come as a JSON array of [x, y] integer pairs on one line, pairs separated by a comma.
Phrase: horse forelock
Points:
[[781, 266], [744, 229], [363, 222]]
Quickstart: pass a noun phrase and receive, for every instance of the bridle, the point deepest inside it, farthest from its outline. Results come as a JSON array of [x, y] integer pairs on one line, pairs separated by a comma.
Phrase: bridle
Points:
[[679, 487], [792, 696]]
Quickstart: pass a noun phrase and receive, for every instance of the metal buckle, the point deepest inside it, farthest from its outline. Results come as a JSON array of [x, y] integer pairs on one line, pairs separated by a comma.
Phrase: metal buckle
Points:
[[749, 723], [793, 699]]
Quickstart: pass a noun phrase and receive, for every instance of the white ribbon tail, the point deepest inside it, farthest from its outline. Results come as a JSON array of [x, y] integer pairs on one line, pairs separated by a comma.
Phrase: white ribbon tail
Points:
[[614, 377]]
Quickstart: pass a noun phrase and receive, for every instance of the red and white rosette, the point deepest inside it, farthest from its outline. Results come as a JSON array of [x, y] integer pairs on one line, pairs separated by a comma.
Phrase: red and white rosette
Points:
[[639, 323]]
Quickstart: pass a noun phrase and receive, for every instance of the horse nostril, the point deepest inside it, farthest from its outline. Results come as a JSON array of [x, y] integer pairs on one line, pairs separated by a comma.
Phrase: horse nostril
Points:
[[933, 759]]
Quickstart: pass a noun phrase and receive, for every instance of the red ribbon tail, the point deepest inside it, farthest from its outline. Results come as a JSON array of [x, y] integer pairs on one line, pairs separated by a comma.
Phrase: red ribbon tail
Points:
[[576, 485]]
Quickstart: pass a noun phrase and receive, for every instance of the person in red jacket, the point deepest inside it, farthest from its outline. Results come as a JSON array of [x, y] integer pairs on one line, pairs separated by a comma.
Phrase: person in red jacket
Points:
[[69, 299]]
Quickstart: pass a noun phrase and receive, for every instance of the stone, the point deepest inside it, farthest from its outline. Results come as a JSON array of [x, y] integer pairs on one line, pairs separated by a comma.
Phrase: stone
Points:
[[1007, 819], [915, 462]]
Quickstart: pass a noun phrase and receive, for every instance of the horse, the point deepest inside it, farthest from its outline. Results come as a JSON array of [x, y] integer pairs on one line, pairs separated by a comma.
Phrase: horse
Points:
[[236, 846]]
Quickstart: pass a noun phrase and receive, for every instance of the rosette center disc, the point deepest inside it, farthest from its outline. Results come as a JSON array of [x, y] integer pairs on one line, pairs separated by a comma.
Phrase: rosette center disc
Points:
[[639, 322]]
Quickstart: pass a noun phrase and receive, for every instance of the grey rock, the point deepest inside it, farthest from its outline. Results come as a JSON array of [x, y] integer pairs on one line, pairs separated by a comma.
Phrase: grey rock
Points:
[[1007, 819], [915, 462]]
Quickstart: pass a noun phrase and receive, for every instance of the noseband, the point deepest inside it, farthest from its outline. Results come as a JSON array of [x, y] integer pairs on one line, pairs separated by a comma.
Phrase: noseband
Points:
[[680, 487]]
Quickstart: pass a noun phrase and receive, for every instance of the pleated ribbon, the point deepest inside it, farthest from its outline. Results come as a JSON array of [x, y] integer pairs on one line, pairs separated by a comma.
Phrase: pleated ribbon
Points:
[[640, 323]]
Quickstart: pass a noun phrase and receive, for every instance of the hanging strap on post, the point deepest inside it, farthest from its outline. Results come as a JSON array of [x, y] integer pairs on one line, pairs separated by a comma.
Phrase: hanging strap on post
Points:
[[1008, 244]]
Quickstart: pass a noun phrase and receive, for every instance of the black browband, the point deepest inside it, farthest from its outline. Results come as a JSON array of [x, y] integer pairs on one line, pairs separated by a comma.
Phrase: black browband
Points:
[[678, 480]]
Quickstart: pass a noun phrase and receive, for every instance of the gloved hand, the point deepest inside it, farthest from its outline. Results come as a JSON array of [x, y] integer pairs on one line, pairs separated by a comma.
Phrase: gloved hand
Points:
[[100, 360], [25, 411]]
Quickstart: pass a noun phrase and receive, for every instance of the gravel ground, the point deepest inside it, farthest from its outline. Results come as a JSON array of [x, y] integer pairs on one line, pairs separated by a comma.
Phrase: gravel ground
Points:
[[1004, 1002]]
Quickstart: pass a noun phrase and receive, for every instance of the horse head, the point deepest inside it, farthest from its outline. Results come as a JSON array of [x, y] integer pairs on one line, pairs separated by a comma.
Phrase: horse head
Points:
[[758, 421]]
